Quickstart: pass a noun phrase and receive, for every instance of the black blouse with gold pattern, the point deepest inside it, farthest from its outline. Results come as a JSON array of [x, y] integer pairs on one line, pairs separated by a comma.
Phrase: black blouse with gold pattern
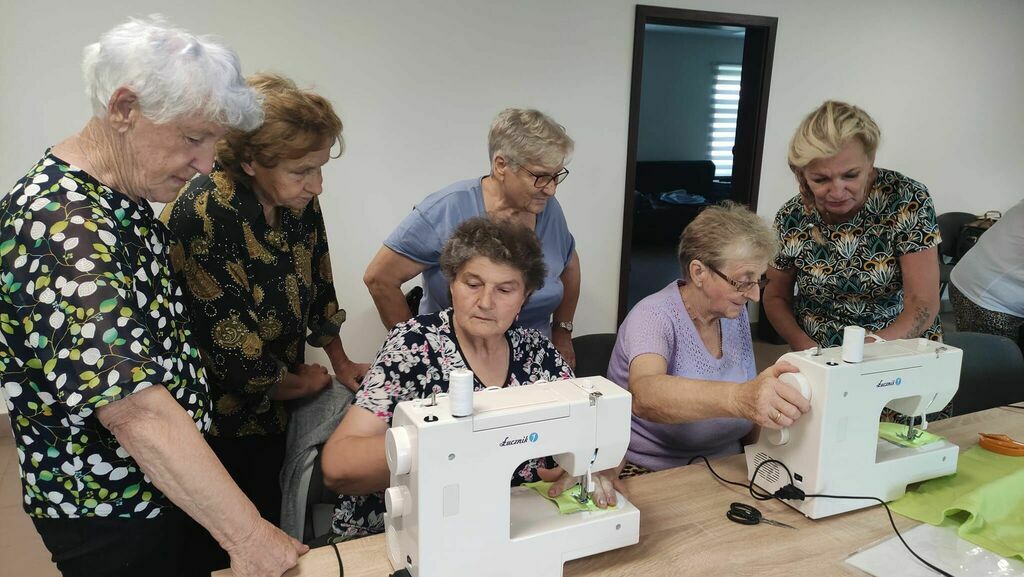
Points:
[[255, 293]]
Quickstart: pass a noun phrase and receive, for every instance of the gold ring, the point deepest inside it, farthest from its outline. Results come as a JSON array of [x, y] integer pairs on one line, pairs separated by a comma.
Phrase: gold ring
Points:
[[777, 416]]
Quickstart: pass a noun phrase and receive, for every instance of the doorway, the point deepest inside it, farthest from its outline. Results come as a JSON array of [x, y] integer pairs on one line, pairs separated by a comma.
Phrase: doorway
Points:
[[696, 130]]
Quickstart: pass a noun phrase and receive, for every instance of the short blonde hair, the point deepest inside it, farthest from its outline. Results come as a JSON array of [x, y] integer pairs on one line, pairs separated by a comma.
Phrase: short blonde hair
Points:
[[726, 232], [296, 123], [526, 136], [824, 132]]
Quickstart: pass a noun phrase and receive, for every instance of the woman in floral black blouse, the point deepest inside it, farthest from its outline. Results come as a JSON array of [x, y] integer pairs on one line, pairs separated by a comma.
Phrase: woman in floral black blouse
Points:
[[252, 251], [492, 268], [107, 394], [859, 242]]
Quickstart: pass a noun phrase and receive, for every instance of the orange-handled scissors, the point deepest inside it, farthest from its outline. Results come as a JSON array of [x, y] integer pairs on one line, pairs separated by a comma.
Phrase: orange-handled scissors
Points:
[[1001, 444]]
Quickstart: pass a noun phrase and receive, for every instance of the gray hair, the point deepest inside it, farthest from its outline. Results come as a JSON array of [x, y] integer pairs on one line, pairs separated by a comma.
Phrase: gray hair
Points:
[[724, 232], [173, 73], [502, 242], [526, 136]]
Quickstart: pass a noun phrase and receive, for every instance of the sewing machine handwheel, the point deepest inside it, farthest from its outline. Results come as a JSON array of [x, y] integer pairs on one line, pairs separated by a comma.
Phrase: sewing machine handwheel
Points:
[[798, 382], [398, 450]]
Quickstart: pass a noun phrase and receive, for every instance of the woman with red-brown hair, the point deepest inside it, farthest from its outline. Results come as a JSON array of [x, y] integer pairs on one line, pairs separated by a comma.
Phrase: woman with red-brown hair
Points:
[[252, 250]]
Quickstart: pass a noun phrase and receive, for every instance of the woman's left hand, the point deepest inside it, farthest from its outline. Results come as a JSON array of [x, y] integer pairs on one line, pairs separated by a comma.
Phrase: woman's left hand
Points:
[[605, 484], [350, 373], [563, 342]]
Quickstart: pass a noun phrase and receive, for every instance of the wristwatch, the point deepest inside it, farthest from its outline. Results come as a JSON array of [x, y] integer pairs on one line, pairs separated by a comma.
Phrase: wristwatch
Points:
[[565, 325]]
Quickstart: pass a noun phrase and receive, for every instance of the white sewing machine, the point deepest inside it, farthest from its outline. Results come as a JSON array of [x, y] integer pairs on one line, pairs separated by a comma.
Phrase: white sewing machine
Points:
[[451, 512], [834, 449]]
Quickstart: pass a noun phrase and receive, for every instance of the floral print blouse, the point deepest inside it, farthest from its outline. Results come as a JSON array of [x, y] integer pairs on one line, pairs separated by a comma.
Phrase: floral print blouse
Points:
[[849, 273], [255, 292], [417, 355], [89, 314]]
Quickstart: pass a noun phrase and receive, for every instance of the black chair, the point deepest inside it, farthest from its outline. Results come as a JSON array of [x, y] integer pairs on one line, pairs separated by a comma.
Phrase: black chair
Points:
[[593, 353], [950, 224], [413, 298], [992, 372]]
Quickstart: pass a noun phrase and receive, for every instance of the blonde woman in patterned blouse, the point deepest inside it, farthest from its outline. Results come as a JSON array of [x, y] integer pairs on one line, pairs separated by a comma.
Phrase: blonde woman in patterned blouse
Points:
[[252, 251], [107, 393], [858, 241]]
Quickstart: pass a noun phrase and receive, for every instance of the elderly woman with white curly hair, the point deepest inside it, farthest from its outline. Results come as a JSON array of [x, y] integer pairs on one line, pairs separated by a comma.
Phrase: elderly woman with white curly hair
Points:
[[106, 390], [528, 153]]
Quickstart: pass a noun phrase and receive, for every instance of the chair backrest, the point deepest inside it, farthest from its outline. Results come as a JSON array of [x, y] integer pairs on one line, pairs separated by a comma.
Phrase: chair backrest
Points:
[[319, 503], [992, 373], [949, 227], [593, 353]]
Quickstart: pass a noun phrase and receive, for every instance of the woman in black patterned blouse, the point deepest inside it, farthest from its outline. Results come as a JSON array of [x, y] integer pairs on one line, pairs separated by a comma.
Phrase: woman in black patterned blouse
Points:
[[492, 267], [252, 251], [858, 241], [107, 393]]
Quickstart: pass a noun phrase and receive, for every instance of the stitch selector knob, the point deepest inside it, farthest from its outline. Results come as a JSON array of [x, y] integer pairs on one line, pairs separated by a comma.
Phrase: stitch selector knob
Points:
[[398, 450]]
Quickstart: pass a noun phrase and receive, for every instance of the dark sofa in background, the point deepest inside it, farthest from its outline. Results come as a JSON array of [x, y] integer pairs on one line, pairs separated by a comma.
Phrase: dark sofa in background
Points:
[[656, 222]]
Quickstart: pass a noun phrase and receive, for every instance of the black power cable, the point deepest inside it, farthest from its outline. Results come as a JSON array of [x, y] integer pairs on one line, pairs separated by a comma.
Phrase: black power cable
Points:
[[792, 492]]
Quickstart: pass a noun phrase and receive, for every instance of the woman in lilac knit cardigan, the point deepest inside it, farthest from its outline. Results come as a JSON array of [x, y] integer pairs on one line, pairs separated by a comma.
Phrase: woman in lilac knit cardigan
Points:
[[685, 352]]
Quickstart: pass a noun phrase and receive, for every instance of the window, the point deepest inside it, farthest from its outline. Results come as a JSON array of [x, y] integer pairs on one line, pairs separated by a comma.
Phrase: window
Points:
[[725, 100]]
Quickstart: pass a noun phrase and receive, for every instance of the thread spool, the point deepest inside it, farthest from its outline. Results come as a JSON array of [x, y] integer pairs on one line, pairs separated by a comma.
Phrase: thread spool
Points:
[[460, 392], [853, 344]]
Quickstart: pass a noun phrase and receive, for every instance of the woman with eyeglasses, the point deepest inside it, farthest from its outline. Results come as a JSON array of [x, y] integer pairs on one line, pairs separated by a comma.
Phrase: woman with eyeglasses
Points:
[[528, 153], [685, 352]]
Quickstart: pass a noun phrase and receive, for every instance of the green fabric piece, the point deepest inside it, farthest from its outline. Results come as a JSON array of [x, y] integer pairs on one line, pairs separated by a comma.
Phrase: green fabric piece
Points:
[[566, 502], [985, 498], [891, 432]]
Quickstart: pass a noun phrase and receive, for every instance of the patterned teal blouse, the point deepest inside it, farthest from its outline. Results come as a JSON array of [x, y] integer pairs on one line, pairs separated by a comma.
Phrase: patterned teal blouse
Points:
[[849, 273], [89, 314]]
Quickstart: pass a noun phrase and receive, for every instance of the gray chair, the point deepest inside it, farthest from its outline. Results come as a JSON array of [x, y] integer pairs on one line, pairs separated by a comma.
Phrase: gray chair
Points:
[[950, 224], [992, 373], [593, 353], [319, 504]]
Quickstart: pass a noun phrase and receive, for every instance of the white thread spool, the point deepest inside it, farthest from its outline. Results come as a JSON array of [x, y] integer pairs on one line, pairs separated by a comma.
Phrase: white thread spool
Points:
[[853, 344], [460, 392]]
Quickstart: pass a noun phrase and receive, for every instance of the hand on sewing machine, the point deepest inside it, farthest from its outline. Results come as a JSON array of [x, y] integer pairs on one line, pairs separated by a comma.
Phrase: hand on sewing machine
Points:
[[605, 484], [769, 402]]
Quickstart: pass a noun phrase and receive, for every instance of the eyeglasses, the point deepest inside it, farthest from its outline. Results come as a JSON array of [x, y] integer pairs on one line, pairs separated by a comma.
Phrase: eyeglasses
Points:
[[740, 285], [542, 180]]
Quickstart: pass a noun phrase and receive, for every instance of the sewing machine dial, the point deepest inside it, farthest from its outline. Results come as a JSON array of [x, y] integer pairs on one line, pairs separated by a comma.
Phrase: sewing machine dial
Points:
[[398, 449]]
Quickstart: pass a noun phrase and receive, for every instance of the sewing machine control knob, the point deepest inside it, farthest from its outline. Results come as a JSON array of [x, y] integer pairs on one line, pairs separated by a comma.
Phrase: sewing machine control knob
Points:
[[798, 382], [398, 450], [396, 499]]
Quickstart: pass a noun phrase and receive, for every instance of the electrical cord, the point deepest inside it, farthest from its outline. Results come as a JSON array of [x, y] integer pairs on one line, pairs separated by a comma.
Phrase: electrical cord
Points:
[[793, 493], [337, 553]]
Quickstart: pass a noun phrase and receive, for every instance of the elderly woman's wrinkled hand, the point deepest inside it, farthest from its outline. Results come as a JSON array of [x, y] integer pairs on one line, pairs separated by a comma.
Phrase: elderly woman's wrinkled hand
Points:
[[266, 552], [769, 402], [606, 483]]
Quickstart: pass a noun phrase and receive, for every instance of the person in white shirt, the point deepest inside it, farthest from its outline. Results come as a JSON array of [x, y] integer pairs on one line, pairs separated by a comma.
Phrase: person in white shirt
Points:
[[987, 285]]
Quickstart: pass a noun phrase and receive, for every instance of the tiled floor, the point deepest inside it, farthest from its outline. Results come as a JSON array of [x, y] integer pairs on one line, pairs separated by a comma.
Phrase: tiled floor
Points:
[[21, 551]]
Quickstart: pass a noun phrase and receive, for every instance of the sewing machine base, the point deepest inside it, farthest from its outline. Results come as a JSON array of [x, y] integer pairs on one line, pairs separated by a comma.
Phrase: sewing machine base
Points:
[[534, 517], [895, 468]]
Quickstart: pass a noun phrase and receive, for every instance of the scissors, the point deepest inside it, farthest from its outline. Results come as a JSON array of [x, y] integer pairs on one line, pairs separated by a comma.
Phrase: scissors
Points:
[[746, 515]]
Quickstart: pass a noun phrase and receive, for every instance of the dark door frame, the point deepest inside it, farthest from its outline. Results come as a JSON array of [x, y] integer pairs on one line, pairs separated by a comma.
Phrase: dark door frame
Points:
[[758, 47]]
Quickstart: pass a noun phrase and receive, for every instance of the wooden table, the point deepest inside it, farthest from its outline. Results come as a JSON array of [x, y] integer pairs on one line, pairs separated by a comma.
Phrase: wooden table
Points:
[[683, 529]]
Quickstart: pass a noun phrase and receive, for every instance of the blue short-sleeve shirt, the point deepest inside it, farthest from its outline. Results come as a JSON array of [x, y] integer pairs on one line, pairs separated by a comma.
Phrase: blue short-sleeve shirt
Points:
[[422, 235]]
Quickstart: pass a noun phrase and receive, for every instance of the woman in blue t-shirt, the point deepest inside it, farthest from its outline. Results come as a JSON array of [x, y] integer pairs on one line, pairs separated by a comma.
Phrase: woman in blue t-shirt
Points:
[[528, 151]]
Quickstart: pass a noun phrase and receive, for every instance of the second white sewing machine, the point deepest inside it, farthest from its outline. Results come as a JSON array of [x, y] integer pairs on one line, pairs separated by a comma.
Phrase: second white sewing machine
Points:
[[835, 448], [451, 512]]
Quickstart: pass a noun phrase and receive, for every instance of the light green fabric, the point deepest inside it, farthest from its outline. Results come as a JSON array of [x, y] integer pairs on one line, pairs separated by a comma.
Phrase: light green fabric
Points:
[[566, 502], [985, 497], [892, 432]]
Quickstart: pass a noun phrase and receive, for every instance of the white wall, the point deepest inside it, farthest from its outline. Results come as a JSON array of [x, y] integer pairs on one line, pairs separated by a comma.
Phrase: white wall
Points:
[[418, 83], [675, 105]]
